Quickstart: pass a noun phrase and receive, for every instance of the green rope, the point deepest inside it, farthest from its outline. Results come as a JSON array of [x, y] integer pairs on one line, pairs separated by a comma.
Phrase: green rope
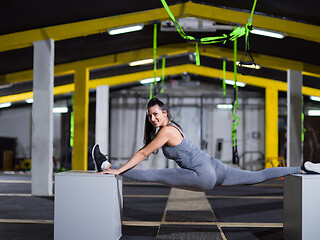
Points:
[[236, 33], [252, 11], [224, 77], [151, 95], [235, 119], [155, 53], [197, 55], [163, 74], [72, 121]]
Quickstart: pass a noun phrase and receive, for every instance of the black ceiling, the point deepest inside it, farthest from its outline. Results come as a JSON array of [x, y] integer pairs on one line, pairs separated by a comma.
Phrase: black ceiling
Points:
[[21, 15]]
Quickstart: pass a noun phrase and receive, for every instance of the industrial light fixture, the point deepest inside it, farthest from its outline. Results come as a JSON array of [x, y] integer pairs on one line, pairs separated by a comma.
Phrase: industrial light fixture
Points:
[[268, 33], [29, 100], [141, 62], [231, 82], [60, 110], [314, 112], [224, 106], [5, 105], [315, 98], [125, 29], [253, 66], [149, 80]]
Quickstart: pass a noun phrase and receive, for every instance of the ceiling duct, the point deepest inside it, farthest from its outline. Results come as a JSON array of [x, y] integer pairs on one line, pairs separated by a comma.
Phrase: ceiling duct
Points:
[[191, 24]]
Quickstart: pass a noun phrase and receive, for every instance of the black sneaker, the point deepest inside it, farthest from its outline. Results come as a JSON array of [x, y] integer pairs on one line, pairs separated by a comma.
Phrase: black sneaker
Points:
[[98, 158], [311, 168]]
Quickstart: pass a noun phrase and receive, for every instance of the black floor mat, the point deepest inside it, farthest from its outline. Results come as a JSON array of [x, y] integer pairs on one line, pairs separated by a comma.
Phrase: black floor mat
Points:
[[248, 210], [189, 216], [9, 231], [253, 233], [143, 209], [139, 233], [27, 207], [189, 232], [146, 190]]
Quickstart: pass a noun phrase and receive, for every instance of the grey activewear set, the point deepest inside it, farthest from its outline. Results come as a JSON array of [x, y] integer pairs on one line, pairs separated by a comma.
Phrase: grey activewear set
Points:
[[200, 172]]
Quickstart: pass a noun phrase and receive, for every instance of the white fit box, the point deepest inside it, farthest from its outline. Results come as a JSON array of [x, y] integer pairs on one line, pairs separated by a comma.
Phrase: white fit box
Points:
[[87, 206], [301, 207]]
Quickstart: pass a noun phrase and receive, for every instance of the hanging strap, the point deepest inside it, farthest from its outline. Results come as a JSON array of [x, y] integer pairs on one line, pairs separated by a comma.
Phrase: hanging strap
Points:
[[224, 77], [151, 95], [163, 74], [235, 118], [197, 55]]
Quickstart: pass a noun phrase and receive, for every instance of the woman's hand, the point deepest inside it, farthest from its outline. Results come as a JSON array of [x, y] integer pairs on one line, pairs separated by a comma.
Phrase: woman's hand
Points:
[[110, 171]]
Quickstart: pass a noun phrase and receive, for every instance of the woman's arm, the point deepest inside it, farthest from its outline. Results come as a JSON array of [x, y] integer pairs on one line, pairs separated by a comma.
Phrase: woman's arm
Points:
[[161, 138]]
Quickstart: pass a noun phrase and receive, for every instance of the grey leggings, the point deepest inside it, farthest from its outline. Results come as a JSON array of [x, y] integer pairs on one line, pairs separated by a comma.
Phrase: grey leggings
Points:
[[204, 177]]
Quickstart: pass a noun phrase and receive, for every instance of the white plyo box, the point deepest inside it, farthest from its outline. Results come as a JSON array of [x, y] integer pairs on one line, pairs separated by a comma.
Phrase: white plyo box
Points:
[[301, 207], [87, 206]]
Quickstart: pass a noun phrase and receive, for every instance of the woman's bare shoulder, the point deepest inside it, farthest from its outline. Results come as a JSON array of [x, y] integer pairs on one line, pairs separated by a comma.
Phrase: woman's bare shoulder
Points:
[[169, 130]]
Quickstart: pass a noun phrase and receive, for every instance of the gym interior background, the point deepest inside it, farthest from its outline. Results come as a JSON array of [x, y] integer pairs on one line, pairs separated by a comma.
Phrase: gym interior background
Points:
[[194, 93], [80, 30]]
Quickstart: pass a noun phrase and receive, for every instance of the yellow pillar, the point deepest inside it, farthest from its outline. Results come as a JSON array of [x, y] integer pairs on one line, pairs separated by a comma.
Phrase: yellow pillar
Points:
[[272, 138], [81, 109]]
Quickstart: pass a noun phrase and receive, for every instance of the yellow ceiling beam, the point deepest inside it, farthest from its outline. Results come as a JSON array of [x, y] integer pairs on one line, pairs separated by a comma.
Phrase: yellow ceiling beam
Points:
[[83, 28], [263, 60], [79, 29], [291, 28], [169, 50], [98, 62], [250, 80], [175, 70]]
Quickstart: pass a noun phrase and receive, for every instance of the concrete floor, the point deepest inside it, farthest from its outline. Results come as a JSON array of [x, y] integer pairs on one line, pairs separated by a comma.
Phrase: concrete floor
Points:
[[154, 211]]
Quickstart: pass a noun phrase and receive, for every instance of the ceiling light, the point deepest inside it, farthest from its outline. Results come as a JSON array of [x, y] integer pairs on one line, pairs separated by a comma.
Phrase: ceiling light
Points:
[[315, 98], [254, 66], [126, 29], [141, 62], [224, 106], [60, 110], [313, 112], [268, 33], [5, 105], [149, 80], [29, 100], [231, 82]]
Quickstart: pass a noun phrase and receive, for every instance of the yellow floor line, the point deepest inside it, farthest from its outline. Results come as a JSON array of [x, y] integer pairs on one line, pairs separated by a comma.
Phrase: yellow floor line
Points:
[[15, 195], [144, 183], [27, 221], [145, 196], [222, 224], [245, 197], [15, 181]]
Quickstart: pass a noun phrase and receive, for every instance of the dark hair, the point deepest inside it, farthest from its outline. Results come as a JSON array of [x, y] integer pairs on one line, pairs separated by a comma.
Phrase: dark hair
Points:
[[149, 129]]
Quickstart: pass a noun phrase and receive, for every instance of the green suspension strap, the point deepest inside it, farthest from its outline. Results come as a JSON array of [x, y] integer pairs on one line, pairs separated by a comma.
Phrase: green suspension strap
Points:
[[197, 55], [247, 59], [235, 118], [153, 85], [224, 77], [163, 74], [236, 33], [72, 121]]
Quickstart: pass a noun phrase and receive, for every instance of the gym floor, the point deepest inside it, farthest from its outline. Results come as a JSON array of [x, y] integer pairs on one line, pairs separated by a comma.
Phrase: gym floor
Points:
[[154, 211]]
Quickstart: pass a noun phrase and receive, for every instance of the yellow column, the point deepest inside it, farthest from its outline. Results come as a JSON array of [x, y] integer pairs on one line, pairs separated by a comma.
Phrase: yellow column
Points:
[[81, 109], [272, 138]]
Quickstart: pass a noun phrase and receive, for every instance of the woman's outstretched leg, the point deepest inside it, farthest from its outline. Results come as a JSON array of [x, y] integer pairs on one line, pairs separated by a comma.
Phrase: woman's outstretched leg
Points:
[[238, 176], [174, 177]]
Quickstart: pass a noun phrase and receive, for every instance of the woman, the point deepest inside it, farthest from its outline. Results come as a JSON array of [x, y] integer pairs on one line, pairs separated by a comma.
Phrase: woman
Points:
[[198, 171]]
